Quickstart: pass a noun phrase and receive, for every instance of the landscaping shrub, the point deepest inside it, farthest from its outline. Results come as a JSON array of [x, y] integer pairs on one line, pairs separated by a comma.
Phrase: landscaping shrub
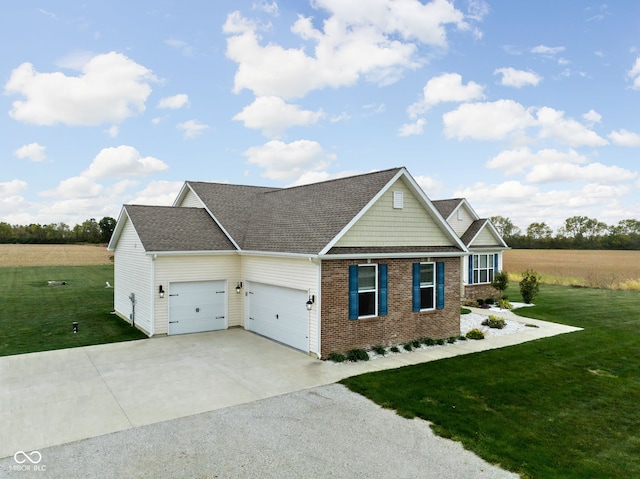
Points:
[[489, 301], [452, 340], [439, 342], [336, 357], [357, 355], [529, 285], [475, 334], [465, 311], [500, 281], [504, 304], [407, 346], [494, 322], [394, 349], [428, 341], [416, 343], [379, 349]]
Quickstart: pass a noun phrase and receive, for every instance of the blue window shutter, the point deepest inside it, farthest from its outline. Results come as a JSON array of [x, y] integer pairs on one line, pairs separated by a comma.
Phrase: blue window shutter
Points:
[[382, 309], [440, 285], [470, 269], [416, 287], [353, 291], [495, 263]]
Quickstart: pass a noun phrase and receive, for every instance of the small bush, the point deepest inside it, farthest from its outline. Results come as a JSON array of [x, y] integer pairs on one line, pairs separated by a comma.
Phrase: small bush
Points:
[[428, 341], [500, 281], [504, 304], [416, 343], [471, 303], [379, 349], [529, 285], [394, 349], [480, 302], [357, 355], [452, 340], [489, 301], [407, 346], [337, 357], [465, 310], [475, 334], [439, 342], [462, 338], [494, 322]]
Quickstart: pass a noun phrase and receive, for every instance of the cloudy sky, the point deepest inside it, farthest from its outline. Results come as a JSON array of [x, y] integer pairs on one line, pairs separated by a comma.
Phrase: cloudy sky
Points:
[[527, 109]]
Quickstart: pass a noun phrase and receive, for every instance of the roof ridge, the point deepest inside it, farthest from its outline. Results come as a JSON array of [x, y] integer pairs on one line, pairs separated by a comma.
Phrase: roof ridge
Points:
[[341, 178]]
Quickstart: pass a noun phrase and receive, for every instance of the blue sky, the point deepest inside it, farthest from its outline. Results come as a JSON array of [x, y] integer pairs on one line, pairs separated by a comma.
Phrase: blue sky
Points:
[[527, 109]]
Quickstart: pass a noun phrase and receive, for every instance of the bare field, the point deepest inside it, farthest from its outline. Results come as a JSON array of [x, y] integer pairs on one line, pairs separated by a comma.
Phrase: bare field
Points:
[[593, 268], [53, 255]]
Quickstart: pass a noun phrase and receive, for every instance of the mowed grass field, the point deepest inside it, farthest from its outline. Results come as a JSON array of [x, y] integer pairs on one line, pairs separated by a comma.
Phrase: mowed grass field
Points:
[[37, 317], [602, 269]]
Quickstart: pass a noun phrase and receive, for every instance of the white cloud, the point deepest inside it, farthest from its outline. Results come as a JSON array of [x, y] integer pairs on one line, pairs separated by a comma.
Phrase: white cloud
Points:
[[32, 152], [318, 176], [273, 116], [191, 129], [184, 47], [270, 8], [594, 173], [289, 160], [123, 162], [12, 188], [568, 131], [548, 51], [429, 185], [634, 74], [110, 89], [76, 187], [517, 78], [162, 193], [113, 131], [517, 160], [509, 191], [447, 87], [409, 129], [174, 102], [592, 117], [624, 138], [371, 40], [486, 121]]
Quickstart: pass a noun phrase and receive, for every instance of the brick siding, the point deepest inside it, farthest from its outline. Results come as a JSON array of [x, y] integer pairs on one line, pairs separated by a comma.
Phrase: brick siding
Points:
[[480, 291], [340, 334]]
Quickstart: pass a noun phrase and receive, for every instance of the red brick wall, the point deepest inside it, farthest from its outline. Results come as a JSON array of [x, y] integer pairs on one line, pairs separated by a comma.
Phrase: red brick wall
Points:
[[339, 334], [480, 291]]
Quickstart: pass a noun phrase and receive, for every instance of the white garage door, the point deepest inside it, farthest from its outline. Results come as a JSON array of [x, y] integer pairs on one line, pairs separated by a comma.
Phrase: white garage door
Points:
[[197, 306], [278, 313]]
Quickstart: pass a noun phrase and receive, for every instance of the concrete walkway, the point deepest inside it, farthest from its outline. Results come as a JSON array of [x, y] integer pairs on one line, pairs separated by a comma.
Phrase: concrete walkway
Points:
[[57, 397]]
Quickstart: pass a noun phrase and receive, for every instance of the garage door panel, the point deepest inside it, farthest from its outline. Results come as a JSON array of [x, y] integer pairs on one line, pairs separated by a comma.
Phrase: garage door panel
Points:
[[279, 313], [197, 306]]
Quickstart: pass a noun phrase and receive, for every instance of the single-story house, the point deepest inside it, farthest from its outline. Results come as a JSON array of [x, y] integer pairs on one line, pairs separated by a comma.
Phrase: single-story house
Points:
[[326, 267]]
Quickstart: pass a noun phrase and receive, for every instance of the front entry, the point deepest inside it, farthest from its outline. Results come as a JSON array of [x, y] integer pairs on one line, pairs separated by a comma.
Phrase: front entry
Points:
[[197, 306]]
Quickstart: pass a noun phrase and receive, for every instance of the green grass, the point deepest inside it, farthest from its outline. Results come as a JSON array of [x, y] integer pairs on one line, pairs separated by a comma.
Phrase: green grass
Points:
[[37, 317], [561, 407]]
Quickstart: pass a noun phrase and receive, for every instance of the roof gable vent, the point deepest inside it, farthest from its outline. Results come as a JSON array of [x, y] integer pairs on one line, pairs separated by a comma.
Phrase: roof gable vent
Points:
[[398, 200]]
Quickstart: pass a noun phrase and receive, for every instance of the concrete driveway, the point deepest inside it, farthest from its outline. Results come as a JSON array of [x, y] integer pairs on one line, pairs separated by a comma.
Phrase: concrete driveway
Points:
[[57, 397]]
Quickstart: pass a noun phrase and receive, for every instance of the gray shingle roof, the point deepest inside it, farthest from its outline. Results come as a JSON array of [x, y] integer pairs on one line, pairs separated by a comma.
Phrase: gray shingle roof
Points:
[[166, 228], [472, 231], [301, 219], [446, 207]]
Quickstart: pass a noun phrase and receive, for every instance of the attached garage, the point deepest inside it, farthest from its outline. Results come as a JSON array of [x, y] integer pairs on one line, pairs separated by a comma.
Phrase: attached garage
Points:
[[278, 313], [197, 306]]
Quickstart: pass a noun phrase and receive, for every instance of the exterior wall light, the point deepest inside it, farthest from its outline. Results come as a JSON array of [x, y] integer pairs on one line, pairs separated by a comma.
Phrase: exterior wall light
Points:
[[239, 287], [312, 299], [161, 291]]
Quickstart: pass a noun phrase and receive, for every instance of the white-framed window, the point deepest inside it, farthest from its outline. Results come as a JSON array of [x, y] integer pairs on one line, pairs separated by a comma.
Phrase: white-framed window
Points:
[[483, 266], [427, 286], [367, 290]]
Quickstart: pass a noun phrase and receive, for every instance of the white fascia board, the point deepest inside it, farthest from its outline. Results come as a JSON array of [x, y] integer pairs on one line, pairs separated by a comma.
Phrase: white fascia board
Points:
[[191, 253], [426, 202], [421, 254], [495, 233], [182, 193], [353, 221], [118, 229], [310, 256]]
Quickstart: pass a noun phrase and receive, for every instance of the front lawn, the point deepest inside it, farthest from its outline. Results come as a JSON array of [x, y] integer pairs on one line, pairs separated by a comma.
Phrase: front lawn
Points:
[[37, 317], [561, 407]]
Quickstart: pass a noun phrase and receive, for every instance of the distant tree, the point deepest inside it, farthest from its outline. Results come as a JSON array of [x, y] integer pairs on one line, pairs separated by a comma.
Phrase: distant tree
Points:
[[107, 225], [538, 231], [505, 226]]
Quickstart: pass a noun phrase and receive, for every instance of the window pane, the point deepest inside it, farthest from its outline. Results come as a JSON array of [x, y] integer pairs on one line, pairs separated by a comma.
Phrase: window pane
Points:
[[475, 276], [483, 260], [475, 260], [490, 275], [426, 298], [367, 304], [366, 278], [483, 275], [426, 274]]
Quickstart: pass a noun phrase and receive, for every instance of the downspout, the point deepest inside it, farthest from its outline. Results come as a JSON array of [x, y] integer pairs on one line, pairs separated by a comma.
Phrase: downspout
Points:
[[153, 296], [319, 307]]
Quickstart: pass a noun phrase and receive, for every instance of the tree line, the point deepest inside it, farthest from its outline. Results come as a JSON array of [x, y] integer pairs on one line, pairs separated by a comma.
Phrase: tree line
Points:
[[89, 231], [577, 232]]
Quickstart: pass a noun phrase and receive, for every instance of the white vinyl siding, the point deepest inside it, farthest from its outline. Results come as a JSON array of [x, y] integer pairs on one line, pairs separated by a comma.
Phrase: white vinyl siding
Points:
[[132, 274], [384, 225], [191, 200], [182, 268], [461, 220], [290, 273], [485, 238]]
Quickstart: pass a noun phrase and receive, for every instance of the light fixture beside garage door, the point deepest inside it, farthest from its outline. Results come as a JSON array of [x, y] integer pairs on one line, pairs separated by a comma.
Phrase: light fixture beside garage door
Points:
[[239, 287], [312, 299], [161, 292]]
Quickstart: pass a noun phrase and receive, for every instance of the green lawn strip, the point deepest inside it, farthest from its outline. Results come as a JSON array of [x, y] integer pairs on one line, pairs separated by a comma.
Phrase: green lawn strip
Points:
[[37, 317], [560, 407]]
